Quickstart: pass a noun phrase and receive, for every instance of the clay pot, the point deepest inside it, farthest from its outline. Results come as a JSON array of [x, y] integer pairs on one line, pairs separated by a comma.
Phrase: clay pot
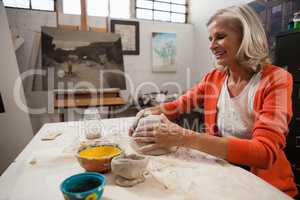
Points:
[[99, 158], [129, 170], [130, 167]]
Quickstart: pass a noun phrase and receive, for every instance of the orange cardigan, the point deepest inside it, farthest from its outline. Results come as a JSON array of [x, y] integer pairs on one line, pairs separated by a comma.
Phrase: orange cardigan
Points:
[[273, 112]]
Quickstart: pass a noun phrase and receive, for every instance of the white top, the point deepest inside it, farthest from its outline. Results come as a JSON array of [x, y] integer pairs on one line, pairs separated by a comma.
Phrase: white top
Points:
[[235, 114], [186, 174]]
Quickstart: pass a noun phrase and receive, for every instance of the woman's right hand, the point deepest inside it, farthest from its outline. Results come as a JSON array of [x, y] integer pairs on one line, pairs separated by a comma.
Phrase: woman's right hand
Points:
[[142, 113]]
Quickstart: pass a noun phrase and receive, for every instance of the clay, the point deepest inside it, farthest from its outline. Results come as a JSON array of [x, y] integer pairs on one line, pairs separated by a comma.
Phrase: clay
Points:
[[123, 182], [138, 117], [149, 120], [157, 152], [92, 127], [93, 135], [129, 170]]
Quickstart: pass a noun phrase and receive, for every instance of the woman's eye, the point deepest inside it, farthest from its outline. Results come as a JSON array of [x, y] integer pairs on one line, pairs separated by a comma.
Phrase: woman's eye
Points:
[[219, 37]]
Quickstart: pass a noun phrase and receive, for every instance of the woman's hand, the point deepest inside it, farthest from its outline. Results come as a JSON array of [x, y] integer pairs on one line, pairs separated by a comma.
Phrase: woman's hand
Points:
[[164, 134], [167, 134], [142, 113]]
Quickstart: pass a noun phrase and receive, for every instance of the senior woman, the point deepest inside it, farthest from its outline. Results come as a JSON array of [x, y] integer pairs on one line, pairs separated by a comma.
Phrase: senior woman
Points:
[[246, 100]]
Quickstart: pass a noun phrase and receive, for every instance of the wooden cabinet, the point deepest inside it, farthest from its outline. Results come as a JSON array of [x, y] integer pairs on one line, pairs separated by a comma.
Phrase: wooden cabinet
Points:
[[287, 55]]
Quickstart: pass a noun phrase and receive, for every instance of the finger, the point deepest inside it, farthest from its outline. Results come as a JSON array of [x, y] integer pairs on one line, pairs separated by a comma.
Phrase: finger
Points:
[[137, 118], [140, 114], [130, 131], [149, 147], [147, 113], [144, 139], [144, 134], [163, 127], [164, 118], [148, 127], [135, 123]]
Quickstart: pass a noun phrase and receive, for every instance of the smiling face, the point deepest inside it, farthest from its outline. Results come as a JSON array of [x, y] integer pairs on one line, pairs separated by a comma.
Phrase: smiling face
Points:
[[225, 41]]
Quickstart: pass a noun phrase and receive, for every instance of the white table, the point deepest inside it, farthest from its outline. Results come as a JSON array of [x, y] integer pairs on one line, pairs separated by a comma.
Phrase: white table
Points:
[[184, 175]]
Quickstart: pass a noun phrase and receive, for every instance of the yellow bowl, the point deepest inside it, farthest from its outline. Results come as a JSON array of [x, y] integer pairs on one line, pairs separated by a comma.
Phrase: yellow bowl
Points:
[[97, 158]]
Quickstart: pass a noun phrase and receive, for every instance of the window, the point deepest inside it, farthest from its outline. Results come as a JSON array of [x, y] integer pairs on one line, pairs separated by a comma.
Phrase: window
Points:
[[47, 5], [100, 8], [72, 7], [17, 3], [120, 9], [42, 4], [163, 10], [97, 8], [114, 8]]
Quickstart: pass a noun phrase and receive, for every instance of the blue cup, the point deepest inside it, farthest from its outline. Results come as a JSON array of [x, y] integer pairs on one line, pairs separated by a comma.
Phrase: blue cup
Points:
[[83, 186]]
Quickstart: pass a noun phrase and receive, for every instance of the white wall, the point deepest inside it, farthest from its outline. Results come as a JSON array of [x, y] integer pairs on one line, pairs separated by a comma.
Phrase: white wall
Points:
[[15, 131], [138, 67], [200, 12]]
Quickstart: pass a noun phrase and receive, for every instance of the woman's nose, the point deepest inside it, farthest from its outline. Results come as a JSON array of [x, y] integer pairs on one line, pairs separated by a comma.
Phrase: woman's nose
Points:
[[213, 45]]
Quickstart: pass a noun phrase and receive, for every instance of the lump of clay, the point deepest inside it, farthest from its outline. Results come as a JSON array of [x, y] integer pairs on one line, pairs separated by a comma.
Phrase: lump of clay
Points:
[[129, 170], [93, 135], [92, 123], [149, 120], [140, 115], [92, 129]]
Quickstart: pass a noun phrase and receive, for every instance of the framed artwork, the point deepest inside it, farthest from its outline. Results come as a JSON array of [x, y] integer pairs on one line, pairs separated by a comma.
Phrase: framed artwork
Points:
[[81, 59], [130, 35], [164, 52], [1, 105]]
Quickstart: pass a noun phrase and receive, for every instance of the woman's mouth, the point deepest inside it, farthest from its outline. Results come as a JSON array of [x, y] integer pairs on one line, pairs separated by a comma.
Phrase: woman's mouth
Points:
[[219, 54]]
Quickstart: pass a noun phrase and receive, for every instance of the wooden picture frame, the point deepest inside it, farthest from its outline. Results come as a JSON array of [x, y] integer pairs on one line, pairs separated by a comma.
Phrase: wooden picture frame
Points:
[[130, 35]]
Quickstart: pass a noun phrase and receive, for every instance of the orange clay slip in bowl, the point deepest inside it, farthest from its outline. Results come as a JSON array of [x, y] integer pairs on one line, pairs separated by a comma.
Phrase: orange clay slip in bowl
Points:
[[98, 158]]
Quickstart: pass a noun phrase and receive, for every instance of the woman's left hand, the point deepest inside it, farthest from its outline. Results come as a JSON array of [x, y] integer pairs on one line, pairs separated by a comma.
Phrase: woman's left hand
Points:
[[164, 134]]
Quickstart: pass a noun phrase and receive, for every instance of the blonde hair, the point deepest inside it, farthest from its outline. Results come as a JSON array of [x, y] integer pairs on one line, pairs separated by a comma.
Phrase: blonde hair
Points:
[[253, 52]]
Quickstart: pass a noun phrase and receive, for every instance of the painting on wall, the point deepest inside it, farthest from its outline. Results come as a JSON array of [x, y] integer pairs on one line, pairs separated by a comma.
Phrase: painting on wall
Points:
[[164, 52], [79, 59], [130, 35]]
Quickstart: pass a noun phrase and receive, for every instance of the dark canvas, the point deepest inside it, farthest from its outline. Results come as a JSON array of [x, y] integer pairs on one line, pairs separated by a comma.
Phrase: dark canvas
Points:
[[80, 59]]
